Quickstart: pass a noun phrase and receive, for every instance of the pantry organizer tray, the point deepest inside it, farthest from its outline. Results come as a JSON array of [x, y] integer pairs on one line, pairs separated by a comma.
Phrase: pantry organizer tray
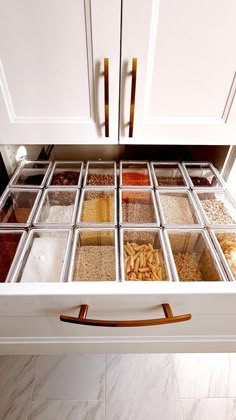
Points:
[[120, 233]]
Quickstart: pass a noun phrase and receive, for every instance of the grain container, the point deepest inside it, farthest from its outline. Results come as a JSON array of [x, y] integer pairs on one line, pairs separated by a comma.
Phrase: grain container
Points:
[[66, 174], [192, 256], [94, 255]]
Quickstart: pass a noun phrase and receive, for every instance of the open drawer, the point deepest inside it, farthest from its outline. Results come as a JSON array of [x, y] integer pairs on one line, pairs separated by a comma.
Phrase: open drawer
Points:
[[30, 318]]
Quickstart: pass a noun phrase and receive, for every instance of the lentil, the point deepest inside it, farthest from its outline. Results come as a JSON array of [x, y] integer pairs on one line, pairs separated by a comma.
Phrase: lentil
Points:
[[100, 179]]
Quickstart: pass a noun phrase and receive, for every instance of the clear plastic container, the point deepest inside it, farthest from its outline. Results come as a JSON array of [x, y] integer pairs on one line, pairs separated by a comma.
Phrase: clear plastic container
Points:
[[66, 174], [168, 175], [97, 207], [217, 207], [135, 174], [143, 255], [11, 243], [138, 207], [44, 257], [177, 209], [31, 174], [100, 174], [192, 256], [18, 206], [57, 207], [203, 175], [225, 243], [94, 255]]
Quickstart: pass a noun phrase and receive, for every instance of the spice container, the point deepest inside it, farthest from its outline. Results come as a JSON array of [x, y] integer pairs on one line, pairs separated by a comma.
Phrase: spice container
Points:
[[178, 209], [192, 256], [11, 242], [168, 175], [217, 207], [138, 207], [225, 243], [94, 255], [66, 174], [17, 207], [57, 207], [44, 257], [97, 207], [143, 255], [202, 174], [31, 174], [135, 174], [100, 174]]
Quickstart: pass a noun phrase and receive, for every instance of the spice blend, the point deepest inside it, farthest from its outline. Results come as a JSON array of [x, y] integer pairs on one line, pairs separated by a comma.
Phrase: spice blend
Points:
[[135, 179], [8, 244]]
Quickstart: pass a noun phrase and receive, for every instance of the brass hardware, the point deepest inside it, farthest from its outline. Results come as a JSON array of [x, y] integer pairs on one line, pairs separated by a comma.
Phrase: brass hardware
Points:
[[169, 319], [106, 95], [132, 100]]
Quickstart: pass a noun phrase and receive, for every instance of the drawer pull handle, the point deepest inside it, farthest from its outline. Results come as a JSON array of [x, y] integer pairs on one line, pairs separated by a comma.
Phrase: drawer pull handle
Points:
[[169, 319], [132, 99], [106, 95]]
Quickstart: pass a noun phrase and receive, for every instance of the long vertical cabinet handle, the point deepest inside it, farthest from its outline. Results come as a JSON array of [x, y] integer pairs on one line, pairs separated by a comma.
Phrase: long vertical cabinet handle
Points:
[[106, 95], [83, 320], [132, 99]]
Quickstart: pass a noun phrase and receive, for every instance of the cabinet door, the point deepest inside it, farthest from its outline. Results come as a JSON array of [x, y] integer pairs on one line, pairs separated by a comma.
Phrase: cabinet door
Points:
[[52, 70], [186, 65]]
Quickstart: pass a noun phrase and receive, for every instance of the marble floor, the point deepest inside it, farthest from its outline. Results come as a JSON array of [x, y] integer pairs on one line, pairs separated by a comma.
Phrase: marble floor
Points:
[[118, 387]]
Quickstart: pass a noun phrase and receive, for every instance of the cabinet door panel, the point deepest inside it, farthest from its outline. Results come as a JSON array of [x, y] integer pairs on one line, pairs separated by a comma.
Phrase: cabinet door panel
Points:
[[48, 75], [186, 66]]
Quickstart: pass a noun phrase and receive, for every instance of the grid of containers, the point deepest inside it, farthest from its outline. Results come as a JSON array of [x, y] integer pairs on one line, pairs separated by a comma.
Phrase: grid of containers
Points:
[[63, 221]]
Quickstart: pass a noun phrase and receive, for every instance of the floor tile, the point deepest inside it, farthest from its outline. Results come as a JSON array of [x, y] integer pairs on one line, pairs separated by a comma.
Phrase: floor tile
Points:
[[17, 374], [74, 377], [206, 375], [161, 407], [67, 410], [209, 408], [141, 387]]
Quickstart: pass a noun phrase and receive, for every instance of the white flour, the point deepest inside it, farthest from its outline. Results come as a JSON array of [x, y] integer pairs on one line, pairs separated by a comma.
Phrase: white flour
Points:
[[45, 260], [60, 214]]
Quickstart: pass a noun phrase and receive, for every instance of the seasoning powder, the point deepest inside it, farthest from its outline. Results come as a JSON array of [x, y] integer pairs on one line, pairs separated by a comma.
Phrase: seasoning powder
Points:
[[44, 261]]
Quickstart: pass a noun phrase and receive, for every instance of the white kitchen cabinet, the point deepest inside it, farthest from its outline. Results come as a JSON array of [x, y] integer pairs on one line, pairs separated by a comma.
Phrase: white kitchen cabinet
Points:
[[52, 70], [186, 64], [52, 77]]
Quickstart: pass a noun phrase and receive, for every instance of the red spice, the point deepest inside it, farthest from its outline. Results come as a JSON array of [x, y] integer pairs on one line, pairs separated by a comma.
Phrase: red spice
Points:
[[8, 246], [136, 196], [135, 178]]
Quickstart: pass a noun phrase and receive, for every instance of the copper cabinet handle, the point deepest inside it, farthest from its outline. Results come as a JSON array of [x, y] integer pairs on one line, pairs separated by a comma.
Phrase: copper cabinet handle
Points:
[[106, 95], [169, 319], [132, 99]]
